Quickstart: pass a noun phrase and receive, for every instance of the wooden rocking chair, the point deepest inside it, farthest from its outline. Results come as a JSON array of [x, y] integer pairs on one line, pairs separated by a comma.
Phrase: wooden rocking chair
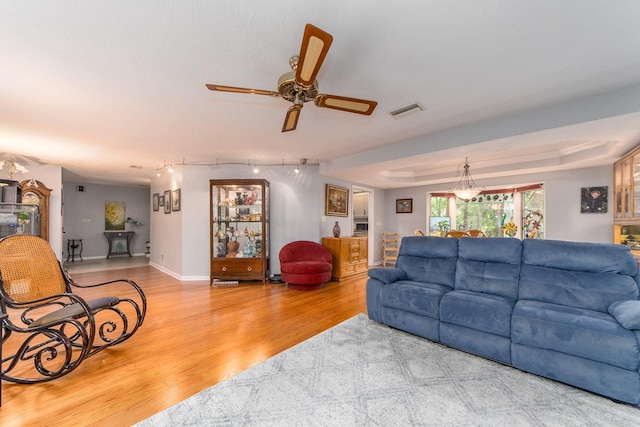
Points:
[[49, 330]]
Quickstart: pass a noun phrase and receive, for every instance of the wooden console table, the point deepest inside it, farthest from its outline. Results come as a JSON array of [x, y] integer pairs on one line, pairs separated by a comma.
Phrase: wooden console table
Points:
[[122, 235]]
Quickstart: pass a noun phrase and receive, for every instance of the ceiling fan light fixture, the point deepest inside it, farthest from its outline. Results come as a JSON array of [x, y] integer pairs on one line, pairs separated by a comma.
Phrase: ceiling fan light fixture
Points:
[[467, 189], [300, 85]]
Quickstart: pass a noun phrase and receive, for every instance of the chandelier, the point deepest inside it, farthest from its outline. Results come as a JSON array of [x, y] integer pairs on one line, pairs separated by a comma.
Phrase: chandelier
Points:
[[11, 167], [467, 188]]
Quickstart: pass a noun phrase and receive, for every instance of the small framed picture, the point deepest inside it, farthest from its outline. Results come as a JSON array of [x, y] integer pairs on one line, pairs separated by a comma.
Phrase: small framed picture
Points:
[[156, 202], [404, 205], [161, 200], [175, 200], [594, 199], [167, 201]]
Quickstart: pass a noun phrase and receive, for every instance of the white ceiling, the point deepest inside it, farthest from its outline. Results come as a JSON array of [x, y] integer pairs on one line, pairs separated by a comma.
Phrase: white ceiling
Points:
[[517, 86]]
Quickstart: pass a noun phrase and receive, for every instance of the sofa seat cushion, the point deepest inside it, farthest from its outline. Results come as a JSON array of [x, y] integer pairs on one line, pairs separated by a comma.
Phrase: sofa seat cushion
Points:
[[416, 297], [482, 312], [305, 267], [576, 331]]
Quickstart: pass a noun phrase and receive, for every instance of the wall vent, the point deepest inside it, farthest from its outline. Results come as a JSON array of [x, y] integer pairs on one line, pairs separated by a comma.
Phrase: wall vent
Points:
[[406, 110]]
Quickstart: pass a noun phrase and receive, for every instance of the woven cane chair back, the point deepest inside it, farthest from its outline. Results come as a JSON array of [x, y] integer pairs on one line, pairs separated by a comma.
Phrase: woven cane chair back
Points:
[[29, 270]]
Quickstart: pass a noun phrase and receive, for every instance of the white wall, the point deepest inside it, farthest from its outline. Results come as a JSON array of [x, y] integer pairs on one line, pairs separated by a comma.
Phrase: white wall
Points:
[[563, 220]]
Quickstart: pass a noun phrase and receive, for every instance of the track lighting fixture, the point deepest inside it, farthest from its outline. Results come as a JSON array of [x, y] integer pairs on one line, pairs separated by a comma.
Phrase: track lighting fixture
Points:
[[255, 167]]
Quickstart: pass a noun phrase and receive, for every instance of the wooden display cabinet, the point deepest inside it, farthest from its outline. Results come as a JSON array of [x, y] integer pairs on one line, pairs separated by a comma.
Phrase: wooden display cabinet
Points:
[[239, 229], [626, 188], [349, 256]]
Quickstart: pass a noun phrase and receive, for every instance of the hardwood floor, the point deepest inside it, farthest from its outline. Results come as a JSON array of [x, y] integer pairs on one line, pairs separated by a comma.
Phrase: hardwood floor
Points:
[[193, 337]]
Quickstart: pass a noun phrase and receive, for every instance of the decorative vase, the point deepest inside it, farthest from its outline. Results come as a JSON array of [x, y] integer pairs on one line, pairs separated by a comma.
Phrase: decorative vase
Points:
[[336, 230]]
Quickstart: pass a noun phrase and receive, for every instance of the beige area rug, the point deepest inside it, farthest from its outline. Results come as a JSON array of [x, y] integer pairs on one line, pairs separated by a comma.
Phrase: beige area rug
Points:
[[362, 373]]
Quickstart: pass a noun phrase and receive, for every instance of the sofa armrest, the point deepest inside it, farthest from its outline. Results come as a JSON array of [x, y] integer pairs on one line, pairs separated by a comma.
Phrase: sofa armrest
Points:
[[626, 313], [387, 275]]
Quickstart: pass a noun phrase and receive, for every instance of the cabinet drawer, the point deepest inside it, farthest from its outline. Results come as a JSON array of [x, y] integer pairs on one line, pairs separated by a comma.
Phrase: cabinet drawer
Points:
[[347, 269], [361, 266], [237, 266]]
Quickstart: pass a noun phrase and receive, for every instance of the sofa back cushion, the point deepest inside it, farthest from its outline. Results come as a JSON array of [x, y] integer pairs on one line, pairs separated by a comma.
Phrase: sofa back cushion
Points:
[[489, 265], [428, 259], [582, 275]]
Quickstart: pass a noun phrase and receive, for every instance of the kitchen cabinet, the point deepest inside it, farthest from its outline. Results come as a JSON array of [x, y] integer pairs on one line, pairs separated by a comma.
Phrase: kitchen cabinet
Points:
[[360, 204], [626, 188]]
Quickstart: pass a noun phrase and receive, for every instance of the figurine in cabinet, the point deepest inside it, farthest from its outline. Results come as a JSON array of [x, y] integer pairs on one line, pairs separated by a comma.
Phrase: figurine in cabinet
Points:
[[232, 248]]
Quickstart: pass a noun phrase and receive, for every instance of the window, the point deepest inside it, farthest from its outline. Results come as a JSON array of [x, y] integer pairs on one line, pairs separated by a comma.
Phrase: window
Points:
[[489, 212]]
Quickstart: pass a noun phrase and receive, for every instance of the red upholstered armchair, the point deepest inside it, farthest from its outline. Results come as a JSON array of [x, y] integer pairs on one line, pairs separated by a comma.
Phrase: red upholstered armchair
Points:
[[305, 265]]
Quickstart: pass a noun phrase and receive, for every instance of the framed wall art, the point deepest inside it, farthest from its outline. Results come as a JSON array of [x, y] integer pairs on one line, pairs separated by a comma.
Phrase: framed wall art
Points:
[[156, 202], [175, 200], [336, 201], [594, 199], [167, 201], [404, 205], [114, 215]]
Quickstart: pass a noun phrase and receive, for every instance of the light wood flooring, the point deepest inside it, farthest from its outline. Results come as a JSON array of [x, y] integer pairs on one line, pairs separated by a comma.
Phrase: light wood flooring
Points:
[[193, 337]]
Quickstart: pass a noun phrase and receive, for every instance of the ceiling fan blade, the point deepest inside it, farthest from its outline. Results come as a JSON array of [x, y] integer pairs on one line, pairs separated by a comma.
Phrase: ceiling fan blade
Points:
[[343, 103], [315, 45], [221, 88], [291, 119]]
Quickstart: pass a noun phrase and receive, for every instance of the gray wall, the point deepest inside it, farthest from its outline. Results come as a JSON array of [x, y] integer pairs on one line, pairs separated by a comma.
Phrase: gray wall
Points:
[[83, 216]]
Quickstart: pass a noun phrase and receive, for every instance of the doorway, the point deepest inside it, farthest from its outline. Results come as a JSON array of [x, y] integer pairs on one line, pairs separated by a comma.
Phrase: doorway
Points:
[[363, 217]]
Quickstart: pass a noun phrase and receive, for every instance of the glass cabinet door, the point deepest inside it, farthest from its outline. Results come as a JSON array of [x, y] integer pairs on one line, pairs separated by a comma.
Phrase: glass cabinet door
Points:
[[626, 188], [636, 186], [617, 179], [237, 221]]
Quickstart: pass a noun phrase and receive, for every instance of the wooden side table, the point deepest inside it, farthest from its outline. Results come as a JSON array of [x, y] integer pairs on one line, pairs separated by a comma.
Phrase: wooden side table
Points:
[[74, 245]]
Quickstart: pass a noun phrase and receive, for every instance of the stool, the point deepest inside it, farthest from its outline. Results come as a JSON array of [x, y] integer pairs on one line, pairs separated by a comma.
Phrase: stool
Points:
[[72, 246]]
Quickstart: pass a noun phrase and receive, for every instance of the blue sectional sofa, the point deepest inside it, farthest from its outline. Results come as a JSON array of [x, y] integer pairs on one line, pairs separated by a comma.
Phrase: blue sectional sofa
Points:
[[568, 311]]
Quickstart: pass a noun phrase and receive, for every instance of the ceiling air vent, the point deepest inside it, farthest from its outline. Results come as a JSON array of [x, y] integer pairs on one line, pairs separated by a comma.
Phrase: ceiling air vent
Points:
[[406, 110]]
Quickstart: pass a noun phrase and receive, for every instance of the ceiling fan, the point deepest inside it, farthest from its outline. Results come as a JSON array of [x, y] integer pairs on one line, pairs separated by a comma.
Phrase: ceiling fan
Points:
[[300, 85]]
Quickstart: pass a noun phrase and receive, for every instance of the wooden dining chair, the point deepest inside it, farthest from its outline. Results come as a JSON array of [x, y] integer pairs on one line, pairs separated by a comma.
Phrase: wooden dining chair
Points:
[[457, 234]]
